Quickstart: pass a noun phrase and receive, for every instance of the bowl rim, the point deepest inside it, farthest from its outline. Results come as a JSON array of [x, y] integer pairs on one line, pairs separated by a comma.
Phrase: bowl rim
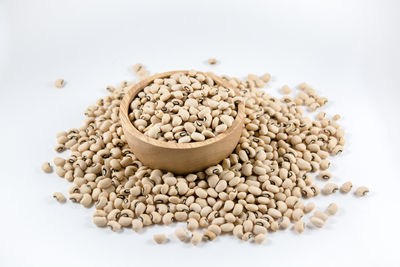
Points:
[[138, 87]]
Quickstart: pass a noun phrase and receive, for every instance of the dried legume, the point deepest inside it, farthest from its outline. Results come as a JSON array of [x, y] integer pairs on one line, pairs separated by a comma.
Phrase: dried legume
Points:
[[258, 188]]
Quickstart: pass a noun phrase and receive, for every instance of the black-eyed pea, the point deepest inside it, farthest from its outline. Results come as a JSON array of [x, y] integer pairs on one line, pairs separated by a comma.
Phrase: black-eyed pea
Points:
[[181, 234], [75, 197], [155, 217], [248, 226], [125, 221], [137, 225], [238, 231], [330, 188], [227, 227], [146, 219], [209, 235], [59, 162], [316, 221], [86, 200], [59, 83], [361, 191], [274, 213], [100, 221], [114, 226], [180, 216], [215, 229], [229, 217], [332, 209], [104, 183], [196, 238], [59, 197], [297, 214], [260, 238], [274, 226], [247, 236], [325, 175], [258, 229], [346, 187], [114, 215], [60, 171], [160, 238], [192, 224], [168, 218], [324, 164], [321, 215], [309, 207], [284, 223], [299, 226]]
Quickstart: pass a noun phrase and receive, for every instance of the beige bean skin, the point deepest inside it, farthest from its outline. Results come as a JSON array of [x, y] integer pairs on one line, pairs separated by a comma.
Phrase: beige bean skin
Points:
[[196, 238], [125, 221], [361, 191], [181, 234], [75, 197], [59, 197], [346, 187], [209, 235], [46, 167], [59, 162], [297, 214], [330, 188], [105, 183], [215, 229], [274, 213], [137, 225], [299, 227], [114, 226], [159, 238], [309, 207], [227, 227], [285, 223], [192, 224], [137, 67], [317, 221], [197, 136], [286, 90], [260, 238], [332, 209], [212, 61], [59, 83], [321, 215], [238, 231], [86, 200], [100, 221]]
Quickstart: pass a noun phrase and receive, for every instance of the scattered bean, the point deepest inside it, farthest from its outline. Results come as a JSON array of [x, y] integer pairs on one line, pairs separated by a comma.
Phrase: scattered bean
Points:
[[332, 209], [59, 197], [160, 238], [46, 167], [317, 221], [59, 83], [361, 191], [346, 187]]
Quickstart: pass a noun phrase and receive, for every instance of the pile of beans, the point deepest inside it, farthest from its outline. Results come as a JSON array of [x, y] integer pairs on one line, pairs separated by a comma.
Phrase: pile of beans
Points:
[[184, 108], [260, 187]]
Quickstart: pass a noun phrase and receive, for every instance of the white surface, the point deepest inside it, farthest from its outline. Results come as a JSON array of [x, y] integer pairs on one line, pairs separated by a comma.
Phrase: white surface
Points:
[[347, 50]]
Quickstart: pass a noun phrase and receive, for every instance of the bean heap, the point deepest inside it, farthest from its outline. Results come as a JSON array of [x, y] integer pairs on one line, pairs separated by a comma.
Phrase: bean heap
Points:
[[260, 187], [184, 108]]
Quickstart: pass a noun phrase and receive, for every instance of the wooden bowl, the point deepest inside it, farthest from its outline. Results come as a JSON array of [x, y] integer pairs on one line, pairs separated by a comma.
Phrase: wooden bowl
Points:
[[179, 158]]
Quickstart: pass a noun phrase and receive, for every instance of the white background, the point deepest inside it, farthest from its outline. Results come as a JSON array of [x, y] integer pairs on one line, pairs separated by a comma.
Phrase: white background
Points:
[[347, 50]]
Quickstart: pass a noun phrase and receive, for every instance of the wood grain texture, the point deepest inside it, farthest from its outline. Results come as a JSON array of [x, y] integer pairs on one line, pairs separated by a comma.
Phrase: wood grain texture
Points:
[[179, 158]]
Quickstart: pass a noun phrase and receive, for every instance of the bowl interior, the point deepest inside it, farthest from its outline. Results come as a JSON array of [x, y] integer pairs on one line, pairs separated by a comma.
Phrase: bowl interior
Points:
[[131, 94]]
